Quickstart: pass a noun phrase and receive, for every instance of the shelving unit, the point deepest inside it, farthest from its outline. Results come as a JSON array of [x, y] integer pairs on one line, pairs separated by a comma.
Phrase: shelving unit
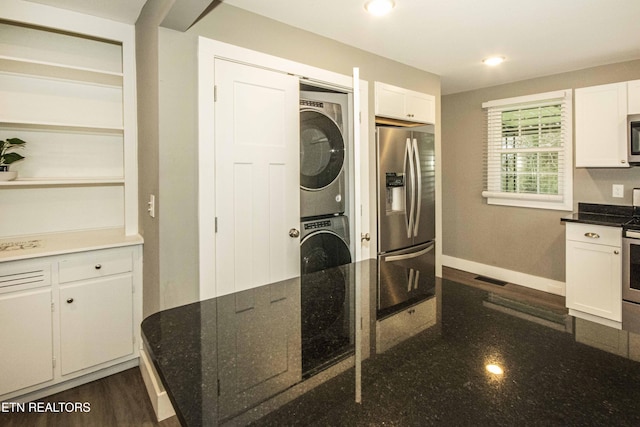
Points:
[[64, 94], [67, 88]]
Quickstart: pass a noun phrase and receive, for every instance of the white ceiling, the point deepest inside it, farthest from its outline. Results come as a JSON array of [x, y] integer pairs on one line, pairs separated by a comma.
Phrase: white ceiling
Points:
[[451, 37], [448, 37], [126, 11]]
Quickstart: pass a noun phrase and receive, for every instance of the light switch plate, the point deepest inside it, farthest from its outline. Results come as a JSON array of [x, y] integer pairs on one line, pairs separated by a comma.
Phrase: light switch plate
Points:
[[151, 206], [617, 190]]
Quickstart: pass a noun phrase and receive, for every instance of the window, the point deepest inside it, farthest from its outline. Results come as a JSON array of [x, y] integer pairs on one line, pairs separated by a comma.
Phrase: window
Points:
[[529, 151]]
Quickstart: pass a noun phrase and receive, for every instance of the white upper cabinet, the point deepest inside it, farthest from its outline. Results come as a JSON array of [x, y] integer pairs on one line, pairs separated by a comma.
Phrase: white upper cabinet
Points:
[[601, 126], [633, 101], [403, 104]]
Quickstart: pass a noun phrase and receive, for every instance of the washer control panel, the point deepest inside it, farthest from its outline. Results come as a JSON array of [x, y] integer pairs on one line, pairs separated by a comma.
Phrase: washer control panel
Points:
[[317, 224]]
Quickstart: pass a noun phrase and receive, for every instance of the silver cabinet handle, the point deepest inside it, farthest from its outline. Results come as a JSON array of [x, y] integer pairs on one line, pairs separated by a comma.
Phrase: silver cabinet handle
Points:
[[69, 300], [592, 235], [98, 266], [365, 236], [294, 233], [616, 252]]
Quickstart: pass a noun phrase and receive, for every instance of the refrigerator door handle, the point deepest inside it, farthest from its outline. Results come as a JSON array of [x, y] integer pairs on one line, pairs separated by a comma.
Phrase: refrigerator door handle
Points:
[[403, 257], [412, 180], [418, 193]]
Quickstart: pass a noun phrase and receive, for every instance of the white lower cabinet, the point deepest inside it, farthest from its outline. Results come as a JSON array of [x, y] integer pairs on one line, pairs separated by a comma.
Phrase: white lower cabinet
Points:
[[594, 273], [68, 318], [96, 322], [26, 358]]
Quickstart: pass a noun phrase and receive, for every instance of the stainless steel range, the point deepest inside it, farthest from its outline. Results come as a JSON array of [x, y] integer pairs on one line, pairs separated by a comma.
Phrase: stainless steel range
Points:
[[631, 273]]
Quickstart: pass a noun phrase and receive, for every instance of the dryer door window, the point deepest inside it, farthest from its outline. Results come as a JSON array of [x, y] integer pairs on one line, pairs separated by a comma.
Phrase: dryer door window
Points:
[[321, 150]]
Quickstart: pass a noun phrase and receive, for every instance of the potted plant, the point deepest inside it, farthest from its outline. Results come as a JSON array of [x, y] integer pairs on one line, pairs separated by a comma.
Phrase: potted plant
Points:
[[8, 156]]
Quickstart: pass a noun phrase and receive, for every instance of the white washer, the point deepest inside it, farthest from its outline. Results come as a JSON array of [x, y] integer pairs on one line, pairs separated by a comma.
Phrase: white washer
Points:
[[323, 143]]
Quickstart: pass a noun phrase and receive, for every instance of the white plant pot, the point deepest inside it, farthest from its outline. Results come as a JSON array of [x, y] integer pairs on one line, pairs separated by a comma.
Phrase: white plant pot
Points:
[[8, 175]]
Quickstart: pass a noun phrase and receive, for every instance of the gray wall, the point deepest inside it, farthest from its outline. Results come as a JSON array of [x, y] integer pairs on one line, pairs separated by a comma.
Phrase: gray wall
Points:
[[177, 142], [148, 152], [525, 240]]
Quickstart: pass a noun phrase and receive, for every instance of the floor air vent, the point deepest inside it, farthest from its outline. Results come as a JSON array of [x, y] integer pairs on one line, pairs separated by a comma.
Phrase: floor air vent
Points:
[[491, 280]]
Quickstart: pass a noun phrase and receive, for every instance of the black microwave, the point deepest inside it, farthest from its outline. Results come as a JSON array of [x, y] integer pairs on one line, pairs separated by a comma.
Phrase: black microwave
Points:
[[633, 145]]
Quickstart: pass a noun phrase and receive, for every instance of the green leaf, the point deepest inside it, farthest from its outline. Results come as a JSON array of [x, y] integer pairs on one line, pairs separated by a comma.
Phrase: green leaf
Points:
[[15, 141], [12, 157]]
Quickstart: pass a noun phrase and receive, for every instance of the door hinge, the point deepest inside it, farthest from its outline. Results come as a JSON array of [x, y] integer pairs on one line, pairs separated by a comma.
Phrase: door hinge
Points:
[[359, 116], [54, 362], [218, 387], [53, 306], [215, 93], [216, 225]]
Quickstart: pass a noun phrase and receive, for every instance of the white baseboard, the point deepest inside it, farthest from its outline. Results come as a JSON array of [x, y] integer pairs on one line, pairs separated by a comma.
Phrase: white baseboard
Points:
[[157, 394], [515, 277]]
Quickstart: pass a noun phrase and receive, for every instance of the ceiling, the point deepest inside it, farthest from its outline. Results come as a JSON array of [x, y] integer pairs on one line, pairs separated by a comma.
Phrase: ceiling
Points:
[[446, 37], [451, 37], [126, 11]]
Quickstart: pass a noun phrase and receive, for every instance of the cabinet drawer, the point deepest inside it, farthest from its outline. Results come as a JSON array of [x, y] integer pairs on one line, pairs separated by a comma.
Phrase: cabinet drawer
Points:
[[597, 234], [95, 264]]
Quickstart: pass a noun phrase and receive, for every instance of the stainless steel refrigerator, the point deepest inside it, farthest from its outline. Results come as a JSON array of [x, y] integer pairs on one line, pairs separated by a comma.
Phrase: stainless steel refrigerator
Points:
[[406, 217]]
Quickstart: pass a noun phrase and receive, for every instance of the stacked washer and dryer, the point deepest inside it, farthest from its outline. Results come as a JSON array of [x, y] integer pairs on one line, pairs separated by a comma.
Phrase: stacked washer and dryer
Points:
[[327, 333]]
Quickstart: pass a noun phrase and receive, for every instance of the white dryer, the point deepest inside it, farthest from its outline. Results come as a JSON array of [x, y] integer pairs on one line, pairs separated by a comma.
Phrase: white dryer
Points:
[[323, 143]]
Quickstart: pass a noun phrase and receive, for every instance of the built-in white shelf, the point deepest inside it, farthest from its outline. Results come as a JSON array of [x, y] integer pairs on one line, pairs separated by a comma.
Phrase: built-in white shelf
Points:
[[61, 182], [61, 127], [59, 71]]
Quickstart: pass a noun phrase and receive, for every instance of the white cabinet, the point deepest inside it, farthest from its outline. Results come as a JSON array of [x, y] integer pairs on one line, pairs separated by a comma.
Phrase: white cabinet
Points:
[[26, 329], [601, 126], [633, 97], [594, 273], [65, 318], [403, 104], [96, 309]]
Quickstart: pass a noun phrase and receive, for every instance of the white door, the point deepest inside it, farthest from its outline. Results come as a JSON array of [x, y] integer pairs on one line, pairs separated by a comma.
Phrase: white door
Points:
[[257, 176]]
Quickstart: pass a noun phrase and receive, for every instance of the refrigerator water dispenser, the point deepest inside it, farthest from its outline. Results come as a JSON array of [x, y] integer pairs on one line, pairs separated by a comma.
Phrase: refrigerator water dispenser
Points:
[[395, 192]]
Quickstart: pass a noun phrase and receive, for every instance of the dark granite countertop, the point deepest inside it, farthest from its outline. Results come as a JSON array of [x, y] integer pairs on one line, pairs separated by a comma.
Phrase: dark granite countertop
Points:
[[225, 356], [596, 214]]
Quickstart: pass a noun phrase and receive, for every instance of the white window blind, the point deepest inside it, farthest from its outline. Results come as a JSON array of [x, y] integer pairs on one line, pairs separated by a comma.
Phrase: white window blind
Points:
[[528, 155]]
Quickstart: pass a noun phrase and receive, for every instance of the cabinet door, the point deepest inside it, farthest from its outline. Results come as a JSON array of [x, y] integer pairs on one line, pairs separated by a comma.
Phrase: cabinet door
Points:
[[633, 93], [390, 101], [257, 176], [594, 279], [96, 322], [26, 358], [420, 107], [601, 126]]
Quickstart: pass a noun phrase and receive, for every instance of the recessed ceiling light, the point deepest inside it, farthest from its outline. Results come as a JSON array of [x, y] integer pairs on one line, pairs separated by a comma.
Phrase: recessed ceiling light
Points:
[[494, 60], [379, 7]]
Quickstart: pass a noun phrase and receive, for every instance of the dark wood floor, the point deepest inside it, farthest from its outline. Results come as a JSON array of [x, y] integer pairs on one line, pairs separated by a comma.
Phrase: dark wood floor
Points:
[[555, 303], [118, 400]]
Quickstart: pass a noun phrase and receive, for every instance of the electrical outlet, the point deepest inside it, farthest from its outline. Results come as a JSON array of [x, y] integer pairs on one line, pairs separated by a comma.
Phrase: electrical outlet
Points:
[[617, 190], [151, 206]]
